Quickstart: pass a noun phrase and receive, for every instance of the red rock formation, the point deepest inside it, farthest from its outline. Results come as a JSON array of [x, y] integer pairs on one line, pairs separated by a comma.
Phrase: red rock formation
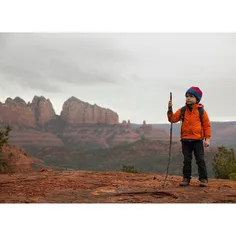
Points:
[[129, 125], [124, 124], [75, 111], [145, 128], [16, 159], [43, 109], [158, 134], [16, 111], [103, 136], [127, 137], [80, 124]]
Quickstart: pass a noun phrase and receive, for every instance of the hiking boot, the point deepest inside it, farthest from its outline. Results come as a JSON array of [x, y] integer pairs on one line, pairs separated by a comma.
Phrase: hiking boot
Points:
[[203, 183], [185, 182]]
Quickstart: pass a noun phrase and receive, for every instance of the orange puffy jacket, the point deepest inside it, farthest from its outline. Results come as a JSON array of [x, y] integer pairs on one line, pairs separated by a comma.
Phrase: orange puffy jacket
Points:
[[191, 127]]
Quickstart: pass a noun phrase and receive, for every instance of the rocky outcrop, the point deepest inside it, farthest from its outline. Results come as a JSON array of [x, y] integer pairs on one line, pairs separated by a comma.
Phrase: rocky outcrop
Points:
[[15, 160], [40, 111], [35, 124], [75, 111], [126, 137], [148, 132], [97, 136], [16, 111], [126, 125], [26, 119], [145, 128], [43, 110]]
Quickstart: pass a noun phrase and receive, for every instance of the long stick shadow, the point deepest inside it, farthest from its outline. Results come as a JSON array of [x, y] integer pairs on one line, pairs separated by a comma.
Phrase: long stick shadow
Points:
[[155, 194]]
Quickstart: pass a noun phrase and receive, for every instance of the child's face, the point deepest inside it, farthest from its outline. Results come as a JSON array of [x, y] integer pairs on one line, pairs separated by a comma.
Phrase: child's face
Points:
[[190, 99]]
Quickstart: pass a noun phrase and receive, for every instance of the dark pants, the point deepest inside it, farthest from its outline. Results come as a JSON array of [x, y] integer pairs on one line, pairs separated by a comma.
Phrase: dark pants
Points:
[[196, 147]]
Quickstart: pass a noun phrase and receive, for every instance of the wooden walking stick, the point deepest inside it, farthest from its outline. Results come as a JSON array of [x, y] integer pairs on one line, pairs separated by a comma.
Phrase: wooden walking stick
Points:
[[171, 125]]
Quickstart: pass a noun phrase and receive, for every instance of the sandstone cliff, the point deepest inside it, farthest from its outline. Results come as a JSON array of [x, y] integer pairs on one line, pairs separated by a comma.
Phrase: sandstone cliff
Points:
[[17, 112], [75, 111], [35, 124], [43, 110]]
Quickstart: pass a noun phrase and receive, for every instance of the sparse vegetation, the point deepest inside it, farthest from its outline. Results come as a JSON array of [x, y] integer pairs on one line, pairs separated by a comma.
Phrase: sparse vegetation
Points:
[[10, 155], [129, 169], [149, 156], [124, 143], [4, 136], [232, 176], [224, 163], [142, 137], [3, 165]]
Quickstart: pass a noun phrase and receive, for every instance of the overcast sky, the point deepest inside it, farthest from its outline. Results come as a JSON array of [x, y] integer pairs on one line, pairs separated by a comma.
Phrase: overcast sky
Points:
[[131, 74]]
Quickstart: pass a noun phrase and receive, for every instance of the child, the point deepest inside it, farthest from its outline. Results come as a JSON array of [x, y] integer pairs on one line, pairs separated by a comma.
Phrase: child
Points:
[[194, 129]]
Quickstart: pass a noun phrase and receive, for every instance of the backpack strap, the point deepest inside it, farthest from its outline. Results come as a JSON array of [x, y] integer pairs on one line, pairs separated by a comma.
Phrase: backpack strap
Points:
[[200, 110], [182, 111]]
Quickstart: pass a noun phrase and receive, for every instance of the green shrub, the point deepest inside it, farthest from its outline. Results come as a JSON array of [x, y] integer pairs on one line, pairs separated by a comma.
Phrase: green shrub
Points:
[[129, 169], [3, 165], [4, 136], [232, 176], [142, 137], [224, 163]]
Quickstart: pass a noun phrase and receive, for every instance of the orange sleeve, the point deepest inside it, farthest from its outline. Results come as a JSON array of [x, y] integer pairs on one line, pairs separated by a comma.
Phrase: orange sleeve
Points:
[[175, 116], [206, 125]]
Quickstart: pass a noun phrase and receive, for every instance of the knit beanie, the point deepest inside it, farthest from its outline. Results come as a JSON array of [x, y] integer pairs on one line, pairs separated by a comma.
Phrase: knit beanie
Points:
[[196, 92]]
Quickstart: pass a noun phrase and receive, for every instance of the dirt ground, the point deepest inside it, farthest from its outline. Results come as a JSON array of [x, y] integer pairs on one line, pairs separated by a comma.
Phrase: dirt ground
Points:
[[47, 186]]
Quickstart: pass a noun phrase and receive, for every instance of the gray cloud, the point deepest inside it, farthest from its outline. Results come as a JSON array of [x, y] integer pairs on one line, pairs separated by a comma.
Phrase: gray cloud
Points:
[[39, 59], [27, 79], [71, 73]]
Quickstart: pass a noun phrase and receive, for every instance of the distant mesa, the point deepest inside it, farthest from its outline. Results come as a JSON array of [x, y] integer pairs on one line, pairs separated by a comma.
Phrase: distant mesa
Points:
[[75, 111], [32, 114], [40, 111]]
